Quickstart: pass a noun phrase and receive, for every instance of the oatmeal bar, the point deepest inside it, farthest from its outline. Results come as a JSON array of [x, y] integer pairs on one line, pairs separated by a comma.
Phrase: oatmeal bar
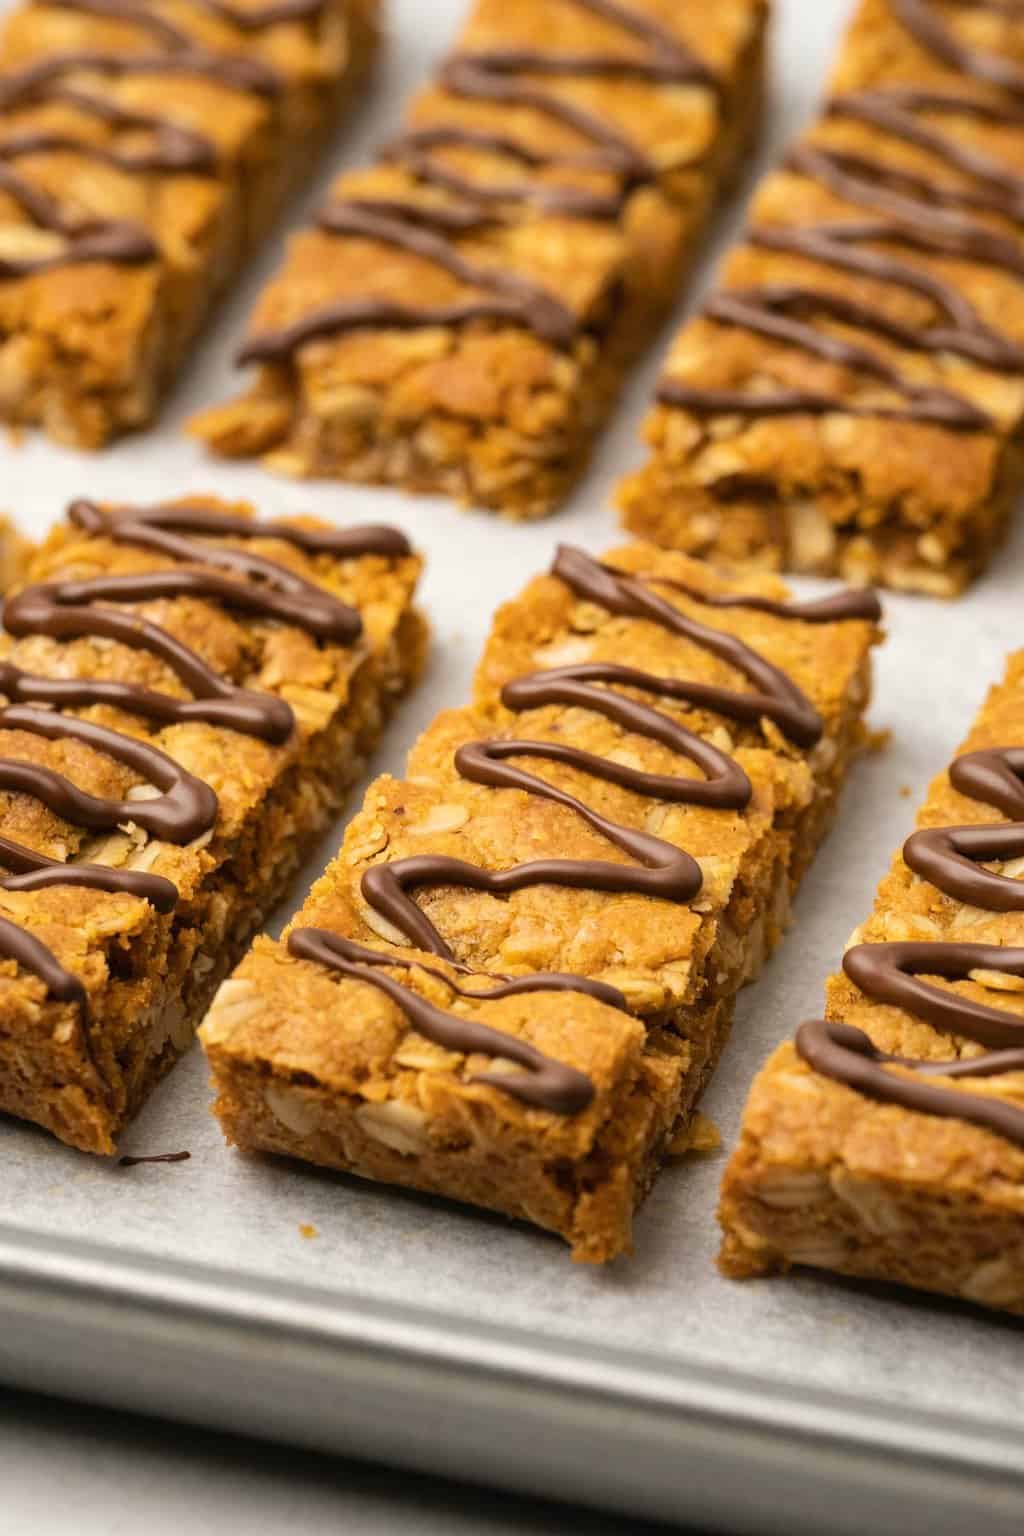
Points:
[[850, 399], [461, 315], [189, 692], [145, 147], [888, 1141], [513, 982]]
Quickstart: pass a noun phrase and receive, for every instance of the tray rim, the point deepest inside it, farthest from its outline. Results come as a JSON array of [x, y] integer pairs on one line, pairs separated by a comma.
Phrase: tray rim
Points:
[[428, 1390]]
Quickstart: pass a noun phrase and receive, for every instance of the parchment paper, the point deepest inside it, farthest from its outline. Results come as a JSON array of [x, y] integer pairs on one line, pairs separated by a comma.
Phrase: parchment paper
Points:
[[241, 1213]]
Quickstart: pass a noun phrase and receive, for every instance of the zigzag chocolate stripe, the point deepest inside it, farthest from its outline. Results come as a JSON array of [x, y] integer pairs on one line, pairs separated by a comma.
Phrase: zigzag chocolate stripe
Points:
[[546, 1083], [890, 973], [430, 231], [173, 149], [920, 19], [665, 871], [186, 808], [912, 211]]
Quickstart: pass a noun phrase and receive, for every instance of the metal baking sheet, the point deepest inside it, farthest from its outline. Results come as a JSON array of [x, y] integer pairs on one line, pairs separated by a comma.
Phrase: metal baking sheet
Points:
[[424, 1334]]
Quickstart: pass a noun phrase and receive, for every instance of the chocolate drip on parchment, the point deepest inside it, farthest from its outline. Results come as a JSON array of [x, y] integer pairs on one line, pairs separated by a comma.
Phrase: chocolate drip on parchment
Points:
[[911, 210], [172, 149], [504, 77], [890, 973], [661, 869], [184, 807]]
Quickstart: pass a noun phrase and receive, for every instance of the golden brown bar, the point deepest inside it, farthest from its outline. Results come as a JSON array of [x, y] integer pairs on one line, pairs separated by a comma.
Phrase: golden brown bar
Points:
[[888, 1142], [189, 693], [460, 316], [589, 860], [145, 148], [849, 401]]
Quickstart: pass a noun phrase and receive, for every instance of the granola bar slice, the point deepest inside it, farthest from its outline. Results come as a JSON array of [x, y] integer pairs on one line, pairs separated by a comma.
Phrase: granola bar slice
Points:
[[850, 398], [888, 1140], [459, 318], [587, 862], [189, 694], [145, 148]]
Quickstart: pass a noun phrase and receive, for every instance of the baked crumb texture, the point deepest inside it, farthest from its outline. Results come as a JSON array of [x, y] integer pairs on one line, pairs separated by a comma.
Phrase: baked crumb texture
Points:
[[461, 314], [189, 695], [850, 399], [512, 984], [15, 554], [888, 1141], [145, 147]]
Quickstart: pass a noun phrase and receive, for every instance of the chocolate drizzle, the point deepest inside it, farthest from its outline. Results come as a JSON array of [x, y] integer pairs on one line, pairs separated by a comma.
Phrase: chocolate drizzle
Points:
[[911, 211], [184, 807], [545, 1083], [664, 870], [922, 22], [110, 240], [502, 77], [848, 1055], [172, 149], [890, 973], [837, 608], [660, 869]]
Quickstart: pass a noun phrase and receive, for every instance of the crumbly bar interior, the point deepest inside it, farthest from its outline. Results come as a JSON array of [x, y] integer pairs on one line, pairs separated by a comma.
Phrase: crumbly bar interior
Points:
[[496, 414], [15, 554], [869, 488], [149, 977], [327, 1069], [87, 347], [827, 1177]]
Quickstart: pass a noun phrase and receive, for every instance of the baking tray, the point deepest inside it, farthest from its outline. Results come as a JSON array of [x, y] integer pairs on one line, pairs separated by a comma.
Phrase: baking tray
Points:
[[427, 1335]]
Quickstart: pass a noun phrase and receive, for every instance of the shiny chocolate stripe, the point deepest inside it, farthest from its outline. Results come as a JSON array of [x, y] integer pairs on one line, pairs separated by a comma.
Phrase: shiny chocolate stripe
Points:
[[890, 973], [914, 211], [546, 1083], [173, 149], [185, 807], [501, 77], [665, 871]]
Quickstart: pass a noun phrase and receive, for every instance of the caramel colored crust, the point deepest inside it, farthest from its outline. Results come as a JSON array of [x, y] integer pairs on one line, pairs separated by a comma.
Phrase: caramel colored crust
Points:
[[15, 554], [149, 977], [905, 503], [826, 1177], [325, 1068], [489, 413], [88, 348]]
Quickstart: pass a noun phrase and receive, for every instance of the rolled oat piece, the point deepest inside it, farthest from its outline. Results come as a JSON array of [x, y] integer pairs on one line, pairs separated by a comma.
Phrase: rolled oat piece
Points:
[[888, 1140], [512, 984], [460, 316], [189, 694], [849, 400], [144, 150]]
